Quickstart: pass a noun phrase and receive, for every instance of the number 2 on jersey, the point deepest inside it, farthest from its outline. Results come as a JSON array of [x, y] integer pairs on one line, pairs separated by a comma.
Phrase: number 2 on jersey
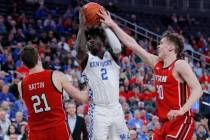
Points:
[[37, 102], [160, 91], [104, 74]]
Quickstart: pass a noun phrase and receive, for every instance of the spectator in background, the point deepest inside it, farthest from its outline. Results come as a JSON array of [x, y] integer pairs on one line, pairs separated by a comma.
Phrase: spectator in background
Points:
[[3, 29], [198, 70], [12, 133], [76, 123], [133, 134], [18, 106], [4, 122], [201, 132], [49, 23], [143, 134], [19, 121], [5, 95], [23, 131], [205, 78], [62, 44], [6, 107], [41, 12], [136, 122]]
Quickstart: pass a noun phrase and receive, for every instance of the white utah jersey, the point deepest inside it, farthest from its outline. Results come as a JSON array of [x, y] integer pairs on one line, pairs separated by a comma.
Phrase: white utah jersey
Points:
[[103, 79]]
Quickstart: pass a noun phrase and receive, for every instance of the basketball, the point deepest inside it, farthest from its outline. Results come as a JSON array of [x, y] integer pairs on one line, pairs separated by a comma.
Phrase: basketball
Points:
[[90, 11]]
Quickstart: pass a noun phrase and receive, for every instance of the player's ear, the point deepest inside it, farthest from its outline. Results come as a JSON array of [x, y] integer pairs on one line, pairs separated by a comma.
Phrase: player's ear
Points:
[[171, 48]]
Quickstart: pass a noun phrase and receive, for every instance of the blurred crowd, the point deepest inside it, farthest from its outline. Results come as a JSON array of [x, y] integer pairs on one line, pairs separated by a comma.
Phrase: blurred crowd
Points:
[[54, 35]]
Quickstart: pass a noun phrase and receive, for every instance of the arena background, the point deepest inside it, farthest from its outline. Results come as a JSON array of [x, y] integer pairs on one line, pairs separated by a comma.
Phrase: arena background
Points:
[[52, 25]]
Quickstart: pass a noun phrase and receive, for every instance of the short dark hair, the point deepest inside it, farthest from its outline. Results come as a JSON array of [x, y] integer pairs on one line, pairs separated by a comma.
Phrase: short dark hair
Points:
[[177, 40], [95, 31], [29, 56]]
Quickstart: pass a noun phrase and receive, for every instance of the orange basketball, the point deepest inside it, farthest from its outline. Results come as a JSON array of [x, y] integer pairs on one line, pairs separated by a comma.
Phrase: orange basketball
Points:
[[90, 11]]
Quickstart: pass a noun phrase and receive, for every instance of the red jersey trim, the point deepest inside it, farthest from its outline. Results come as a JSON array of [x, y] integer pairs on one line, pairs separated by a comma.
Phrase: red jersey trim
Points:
[[183, 131], [61, 92]]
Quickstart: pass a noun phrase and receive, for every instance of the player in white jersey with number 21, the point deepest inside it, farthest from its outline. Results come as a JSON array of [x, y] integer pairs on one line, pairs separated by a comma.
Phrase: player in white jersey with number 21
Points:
[[97, 53]]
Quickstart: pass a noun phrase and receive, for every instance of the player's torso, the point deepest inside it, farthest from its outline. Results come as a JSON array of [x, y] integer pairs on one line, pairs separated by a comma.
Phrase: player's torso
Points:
[[103, 78], [43, 101], [171, 94]]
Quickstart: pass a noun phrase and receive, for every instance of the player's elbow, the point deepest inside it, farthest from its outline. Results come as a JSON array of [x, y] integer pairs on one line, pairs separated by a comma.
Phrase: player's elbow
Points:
[[198, 90], [117, 49]]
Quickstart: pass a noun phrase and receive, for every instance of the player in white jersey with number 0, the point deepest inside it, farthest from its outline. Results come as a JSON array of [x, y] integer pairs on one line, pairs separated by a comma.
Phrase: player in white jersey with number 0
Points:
[[97, 53]]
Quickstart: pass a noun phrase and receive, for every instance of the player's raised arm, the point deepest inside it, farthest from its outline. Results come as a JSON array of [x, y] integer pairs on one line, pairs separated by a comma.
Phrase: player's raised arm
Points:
[[112, 39], [81, 42], [60, 81], [127, 40]]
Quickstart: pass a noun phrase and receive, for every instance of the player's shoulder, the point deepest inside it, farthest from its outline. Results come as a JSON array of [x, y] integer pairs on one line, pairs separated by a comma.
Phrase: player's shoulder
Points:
[[181, 64], [57, 75], [57, 72]]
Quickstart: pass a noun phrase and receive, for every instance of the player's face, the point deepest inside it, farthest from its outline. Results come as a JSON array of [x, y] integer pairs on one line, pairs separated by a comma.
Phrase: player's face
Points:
[[163, 48], [95, 45]]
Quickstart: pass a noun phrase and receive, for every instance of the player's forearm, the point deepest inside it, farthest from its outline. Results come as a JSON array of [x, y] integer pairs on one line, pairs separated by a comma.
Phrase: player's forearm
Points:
[[81, 46], [196, 93], [81, 96], [112, 39], [124, 37], [130, 42], [81, 41], [84, 97]]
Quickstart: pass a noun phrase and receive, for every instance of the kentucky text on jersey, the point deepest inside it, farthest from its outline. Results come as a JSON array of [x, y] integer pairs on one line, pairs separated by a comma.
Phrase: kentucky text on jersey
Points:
[[103, 64], [36, 86], [160, 78]]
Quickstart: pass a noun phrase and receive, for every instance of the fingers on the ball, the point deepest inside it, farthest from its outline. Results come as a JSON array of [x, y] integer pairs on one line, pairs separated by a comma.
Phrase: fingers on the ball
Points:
[[101, 15], [102, 21]]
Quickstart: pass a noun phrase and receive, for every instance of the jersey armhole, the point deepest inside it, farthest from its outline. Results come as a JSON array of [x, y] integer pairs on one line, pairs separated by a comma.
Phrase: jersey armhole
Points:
[[61, 92]]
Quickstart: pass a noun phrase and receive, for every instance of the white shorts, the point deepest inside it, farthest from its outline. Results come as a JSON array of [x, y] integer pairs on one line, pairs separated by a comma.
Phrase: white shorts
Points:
[[107, 123]]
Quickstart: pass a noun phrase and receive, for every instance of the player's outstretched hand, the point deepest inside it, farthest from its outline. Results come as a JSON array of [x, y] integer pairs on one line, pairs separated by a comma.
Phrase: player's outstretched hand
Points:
[[172, 114], [105, 17]]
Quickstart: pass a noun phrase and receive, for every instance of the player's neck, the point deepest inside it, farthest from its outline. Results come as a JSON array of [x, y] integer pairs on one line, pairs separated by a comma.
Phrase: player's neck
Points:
[[101, 54], [168, 60], [36, 69]]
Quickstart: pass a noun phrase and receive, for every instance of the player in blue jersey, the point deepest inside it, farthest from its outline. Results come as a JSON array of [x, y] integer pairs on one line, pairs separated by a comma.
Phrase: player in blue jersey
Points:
[[97, 53]]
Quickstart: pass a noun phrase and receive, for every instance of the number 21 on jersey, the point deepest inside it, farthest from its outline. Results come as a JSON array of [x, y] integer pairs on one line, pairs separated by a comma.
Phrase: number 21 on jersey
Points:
[[160, 91], [37, 101]]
